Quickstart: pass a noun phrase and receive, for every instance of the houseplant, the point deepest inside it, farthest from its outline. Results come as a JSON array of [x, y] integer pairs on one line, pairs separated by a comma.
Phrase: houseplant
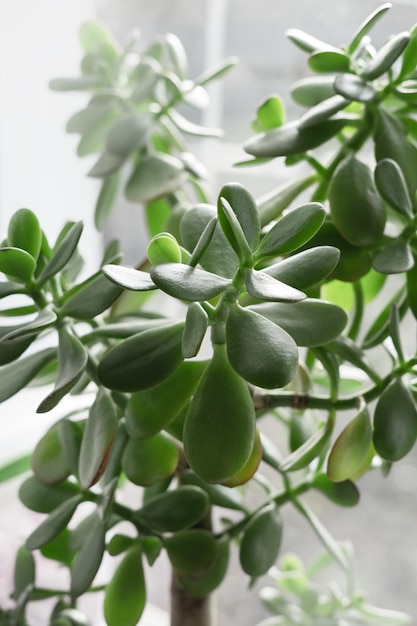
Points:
[[265, 280]]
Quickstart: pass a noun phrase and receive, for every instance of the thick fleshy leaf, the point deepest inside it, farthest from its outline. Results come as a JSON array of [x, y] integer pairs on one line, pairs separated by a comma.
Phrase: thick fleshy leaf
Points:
[[305, 269], [190, 128], [386, 56], [351, 448], [48, 460], [106, 199], [219, 257], [125, 595], [262, 286], [192, 551], [354, 88], [392, 186], [91, 298], [323, 111], [203, 242], [106, 165], [270, 114], [62, 254], [196, 324], [310, 322], [367, 25], [42, 498], [307, 42], [17, 264], [44, 319], [155, 176], [163, 248], [344, 493], [261, 541], [72, 361], [409, 57], [53, 524], [129, 278], [188, 283], [175, 510], [218, 494], [245, 209], [259, 350], [312, 90], [25, 232], [349, 351], [148, 461], [289, 139], [293, 230], [395, 258], [24, 571], [88, 559], [357, 209], [98, 439], [395, 422], [379, 328], [12, 350], [234, 232], [14, 376], [143, 360], [412, 289], [204, 584], [329, 61], [129, 133]]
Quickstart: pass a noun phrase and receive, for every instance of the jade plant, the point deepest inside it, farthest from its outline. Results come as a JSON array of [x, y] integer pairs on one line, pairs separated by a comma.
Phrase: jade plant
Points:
[[243, 311]]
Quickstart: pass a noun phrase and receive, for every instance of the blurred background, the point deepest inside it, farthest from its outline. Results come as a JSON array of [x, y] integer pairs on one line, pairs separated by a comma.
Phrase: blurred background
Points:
[[39, 170]]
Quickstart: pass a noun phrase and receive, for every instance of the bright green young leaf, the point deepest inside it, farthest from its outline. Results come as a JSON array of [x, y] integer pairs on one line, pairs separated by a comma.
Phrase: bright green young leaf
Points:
[[163, 248], [289, 139], [245, 209], [329, 61], [367, 26], [310, 322], [292, 231], [259, 350], [72, 361], [196, 324], [14, 376], [188, 283], [175, 510], [24, 571], [386, 56], [391, 184], [42, 498], [305, 269], [98, 439], [192, 551], [17, 264], [53, 524], [351, 448], [344, 493], [357, 209], [354, 88], [125, 595], [312, 90], [25, 232], [62, 254], [148, 461], [91, 298], [106, 199], [129, 277], [87, 561], [155, 176], [128, 134], [323, 111], [270, 114], [395, 422], [261, 541], [395, 258]]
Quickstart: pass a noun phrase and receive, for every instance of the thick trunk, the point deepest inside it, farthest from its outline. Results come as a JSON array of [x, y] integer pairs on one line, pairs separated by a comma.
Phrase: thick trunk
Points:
[[188, 610]]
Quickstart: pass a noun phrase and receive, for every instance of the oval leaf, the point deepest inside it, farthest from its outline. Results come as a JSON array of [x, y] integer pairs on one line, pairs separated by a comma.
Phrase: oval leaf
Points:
[[192, 551], [188, 283], [125, 595], [307, 268], [54, 524], [25, 232], [261, 541], [175, 510], [88, 560], [154, 177], [391, 184], [148, 461], [129, 277], [351, 448]]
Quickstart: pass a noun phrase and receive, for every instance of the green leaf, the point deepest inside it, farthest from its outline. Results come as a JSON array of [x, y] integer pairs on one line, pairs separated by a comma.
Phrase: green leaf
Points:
[[270, 114], [59, 549], [196, 324], [163, 248], [24, 571], [261, 541], [409, 60], [351, 448], [323, 111], [395, 422], [188, 283], [16, 467], [87, 561], [12, 350], [349, 351], [129, 278], [395, 258], [307, 452], [129, 133], [53, 524], [355, 88], [82, 83], [233, 230], [191, 551], [45, 319], [70, 435], [244, 207], [125, 595], [93, 34], [259, 350], [292, 230], [148, 461], [17, 264], [262, 286], [310, 322], [41, 498], [25, 232], [14, 376], [219, 495], [307, 42], [391, 184], [98, 439], [154, 177], [72, 361], [395, 331], [174, 510], [357, 210], [203, 242], [91, 298], [329, 61], [379, 329], [305, 269], [289, 139], [386, 56], [412, 289], [204, 584], [367, 25], [218, 71], [344, 493], [312, 90], [48, 461], [190, 128], [62, 254], [106, 165], [106, 198], [143, 360]]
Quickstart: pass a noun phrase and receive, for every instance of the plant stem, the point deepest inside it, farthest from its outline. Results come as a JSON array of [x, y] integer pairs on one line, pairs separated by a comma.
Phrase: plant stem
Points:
[[189, 610]]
